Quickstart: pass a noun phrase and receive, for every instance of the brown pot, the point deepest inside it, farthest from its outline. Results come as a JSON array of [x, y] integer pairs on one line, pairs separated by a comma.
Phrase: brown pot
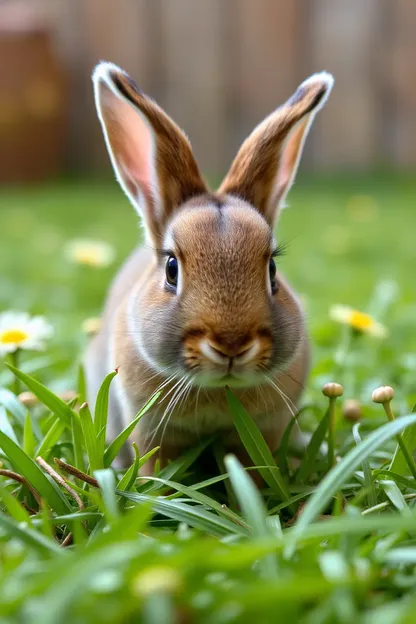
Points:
[[33, 111]]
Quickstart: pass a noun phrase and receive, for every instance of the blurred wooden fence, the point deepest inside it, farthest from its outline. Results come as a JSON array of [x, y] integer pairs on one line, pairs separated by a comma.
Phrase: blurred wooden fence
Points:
[[219, 66]]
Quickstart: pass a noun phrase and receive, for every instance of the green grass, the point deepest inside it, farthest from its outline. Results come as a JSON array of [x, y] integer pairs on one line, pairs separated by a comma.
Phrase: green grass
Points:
[[315, 545]]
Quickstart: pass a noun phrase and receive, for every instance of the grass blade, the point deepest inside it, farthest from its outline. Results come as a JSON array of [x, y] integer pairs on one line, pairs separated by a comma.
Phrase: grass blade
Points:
[[51, 438], [90, 439], [256, 447], [45, 396], [147, 456], [253, 507], [78, 443], [13, 405], [403, 481], [284, 447], [114, 448], [399, 464], [29, 440], [29, 536], [31, 471], [368, 478], [107, 482], [202, 499], [333, 481], [308, 464], [396, 497], [6, 427], [196, 517], [101, 409], [82, 388], [177, 468], [128, 480], [13, 506]]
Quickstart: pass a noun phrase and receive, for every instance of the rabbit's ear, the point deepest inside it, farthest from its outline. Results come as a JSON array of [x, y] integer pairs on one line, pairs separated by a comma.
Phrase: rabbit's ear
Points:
[[265, 166], [152, 158]]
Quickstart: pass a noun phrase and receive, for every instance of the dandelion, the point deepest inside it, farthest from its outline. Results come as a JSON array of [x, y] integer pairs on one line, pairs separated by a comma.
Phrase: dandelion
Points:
[[89, 252], [19, 330], [360, 322]]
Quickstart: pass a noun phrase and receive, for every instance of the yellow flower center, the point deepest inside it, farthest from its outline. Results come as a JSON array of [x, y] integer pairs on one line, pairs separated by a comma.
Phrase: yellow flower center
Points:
[[88, 256], [360, 320], [13, 336]]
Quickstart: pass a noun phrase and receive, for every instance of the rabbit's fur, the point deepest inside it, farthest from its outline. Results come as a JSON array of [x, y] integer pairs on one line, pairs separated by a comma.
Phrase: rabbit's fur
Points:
[[225, 320]]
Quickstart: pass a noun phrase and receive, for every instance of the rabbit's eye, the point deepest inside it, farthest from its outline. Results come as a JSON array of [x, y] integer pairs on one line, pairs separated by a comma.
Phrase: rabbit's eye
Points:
[[272, 275], [172, 271]]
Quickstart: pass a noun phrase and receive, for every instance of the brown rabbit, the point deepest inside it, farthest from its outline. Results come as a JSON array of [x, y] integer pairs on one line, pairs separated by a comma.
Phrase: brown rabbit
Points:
[[200, 306]]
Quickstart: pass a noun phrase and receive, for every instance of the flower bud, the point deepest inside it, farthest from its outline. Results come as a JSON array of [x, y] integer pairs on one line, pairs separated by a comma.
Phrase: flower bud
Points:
[[28, 399], [352, 410], [332, 390], [383, 394]]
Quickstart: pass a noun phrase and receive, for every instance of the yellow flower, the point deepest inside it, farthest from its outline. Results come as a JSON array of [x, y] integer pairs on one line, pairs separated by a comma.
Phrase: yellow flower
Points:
[[90, 252], [158, 579], [18, 330], [91, 326], [359, 321]]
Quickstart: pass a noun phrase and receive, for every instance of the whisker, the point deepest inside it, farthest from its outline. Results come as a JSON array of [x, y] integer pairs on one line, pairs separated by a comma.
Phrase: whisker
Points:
[[175, 400], [286, 399], [289, 403], [166, 414]]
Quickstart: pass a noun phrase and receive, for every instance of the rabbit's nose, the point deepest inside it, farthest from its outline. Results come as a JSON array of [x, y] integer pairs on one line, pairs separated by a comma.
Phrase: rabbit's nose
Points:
[[220, 351]]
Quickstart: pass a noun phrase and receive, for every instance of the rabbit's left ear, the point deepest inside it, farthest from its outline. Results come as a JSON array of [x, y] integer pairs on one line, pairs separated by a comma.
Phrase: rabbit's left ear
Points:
[[151, 156], [265, 166]]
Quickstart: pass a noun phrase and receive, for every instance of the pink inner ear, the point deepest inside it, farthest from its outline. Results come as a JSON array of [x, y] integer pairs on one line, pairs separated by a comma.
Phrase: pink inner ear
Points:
[[131, 143], [290, 156]]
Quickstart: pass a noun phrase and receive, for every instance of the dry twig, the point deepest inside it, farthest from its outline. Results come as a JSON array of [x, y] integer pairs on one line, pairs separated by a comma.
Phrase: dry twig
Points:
[[17, 477]]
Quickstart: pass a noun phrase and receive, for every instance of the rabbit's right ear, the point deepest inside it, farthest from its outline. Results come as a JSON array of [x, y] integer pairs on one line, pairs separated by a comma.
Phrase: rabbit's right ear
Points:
[[265, 166], [151, 156]]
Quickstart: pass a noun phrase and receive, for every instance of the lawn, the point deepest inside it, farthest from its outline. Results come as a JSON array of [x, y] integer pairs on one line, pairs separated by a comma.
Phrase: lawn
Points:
[[318, 545]]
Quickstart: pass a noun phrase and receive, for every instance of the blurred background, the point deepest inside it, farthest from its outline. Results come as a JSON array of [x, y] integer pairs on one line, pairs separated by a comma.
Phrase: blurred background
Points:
[[217, 67]]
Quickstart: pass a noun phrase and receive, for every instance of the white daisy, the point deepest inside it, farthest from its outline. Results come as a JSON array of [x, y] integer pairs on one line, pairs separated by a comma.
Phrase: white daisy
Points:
[[89, 252], [19, 330], [359, 321]]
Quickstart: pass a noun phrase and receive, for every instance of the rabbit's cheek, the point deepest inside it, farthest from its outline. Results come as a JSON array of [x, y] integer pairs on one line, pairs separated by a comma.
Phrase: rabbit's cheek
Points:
[[154, 320], [288, 331]]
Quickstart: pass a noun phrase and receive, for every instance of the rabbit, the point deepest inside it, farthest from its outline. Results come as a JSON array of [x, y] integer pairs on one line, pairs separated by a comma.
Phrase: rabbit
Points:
[[200, 306]]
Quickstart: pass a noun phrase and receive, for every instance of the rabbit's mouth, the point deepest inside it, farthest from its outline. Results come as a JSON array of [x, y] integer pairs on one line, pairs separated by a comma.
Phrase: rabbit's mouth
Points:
[[232, 379], [239, 363]]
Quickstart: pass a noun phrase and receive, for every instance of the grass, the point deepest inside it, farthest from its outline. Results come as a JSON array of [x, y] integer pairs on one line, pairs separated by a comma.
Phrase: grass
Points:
[[80, 542]]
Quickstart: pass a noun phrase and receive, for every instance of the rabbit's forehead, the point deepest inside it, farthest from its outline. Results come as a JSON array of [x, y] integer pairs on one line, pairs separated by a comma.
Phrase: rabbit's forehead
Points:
[[228, 227]]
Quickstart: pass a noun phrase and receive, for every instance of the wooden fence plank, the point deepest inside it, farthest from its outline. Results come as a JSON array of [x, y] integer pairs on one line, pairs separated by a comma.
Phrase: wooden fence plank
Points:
[[117, 32], [342, 40], [219, 67], [194, 49], [266, 67], [402, 83]]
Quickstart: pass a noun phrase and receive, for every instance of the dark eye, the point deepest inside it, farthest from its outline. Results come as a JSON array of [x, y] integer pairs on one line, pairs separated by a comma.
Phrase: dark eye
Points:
[[272, 275], [172, 271]]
